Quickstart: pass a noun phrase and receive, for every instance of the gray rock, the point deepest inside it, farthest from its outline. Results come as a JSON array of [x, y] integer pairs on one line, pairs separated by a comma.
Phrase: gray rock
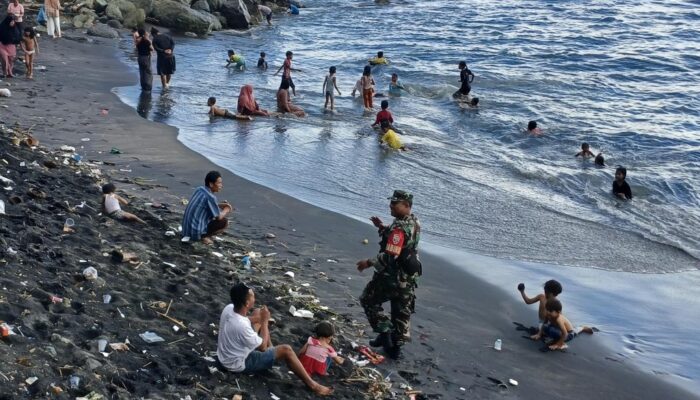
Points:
[[113, 11], [191, 34], [252, 6], [85, 19], [56, 338], [100, 5], [201, 5], [145, 5], [236, 14], [173, 14], [50, 350], [221, 18], [92, 364], [134, 18], [115, 24], [215, 5], [103, 30], [104, 19]]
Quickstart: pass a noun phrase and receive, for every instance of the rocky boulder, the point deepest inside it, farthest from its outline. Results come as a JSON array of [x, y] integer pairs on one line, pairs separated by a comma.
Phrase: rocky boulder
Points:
[[145, 5], [103, 30], [126, 12], [236, 14], [201, 5], [173, 14], [100, 5], [85, 19], [252, 6], [215, 5]]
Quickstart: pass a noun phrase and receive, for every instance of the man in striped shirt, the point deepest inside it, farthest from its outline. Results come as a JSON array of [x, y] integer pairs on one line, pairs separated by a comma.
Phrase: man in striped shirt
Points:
[[204, 215]]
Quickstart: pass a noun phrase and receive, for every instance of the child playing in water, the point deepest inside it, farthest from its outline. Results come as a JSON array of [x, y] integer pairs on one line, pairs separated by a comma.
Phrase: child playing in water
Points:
[[287, 69], [533, 129], [236, 59], [552, 289], [379, 59], [262, 64], [384, 115], [30, 46], [215, 111], [318, 354], [557, 327], [391, 138], [367, 87], [328, 84], [466, 77], [111, 205], [599, 160], [395, 87], [585, 151], [620, 187]]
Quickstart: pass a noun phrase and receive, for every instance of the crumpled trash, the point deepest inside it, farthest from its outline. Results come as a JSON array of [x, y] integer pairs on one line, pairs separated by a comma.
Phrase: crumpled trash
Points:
[[289, 274], [300, 313], [150, 337], [91, 396], [2, 207], [217, 254], [6, 181], [90, 273], [115, 150], [119, 346], [67, 148], [30, 381]]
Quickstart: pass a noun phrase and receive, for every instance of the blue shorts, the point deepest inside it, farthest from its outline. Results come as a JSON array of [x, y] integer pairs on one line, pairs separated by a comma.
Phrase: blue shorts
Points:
[[553, 332], [259, 360]]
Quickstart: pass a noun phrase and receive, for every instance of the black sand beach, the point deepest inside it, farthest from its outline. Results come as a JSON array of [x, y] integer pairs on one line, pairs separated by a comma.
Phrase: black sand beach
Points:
[[457, 320]]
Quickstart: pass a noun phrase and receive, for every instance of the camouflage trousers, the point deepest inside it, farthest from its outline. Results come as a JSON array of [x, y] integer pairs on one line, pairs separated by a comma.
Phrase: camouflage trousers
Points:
[[402, 299]]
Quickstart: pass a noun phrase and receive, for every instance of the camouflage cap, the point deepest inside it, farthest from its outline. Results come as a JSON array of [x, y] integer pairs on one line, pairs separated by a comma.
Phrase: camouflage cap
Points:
[[401, 195]]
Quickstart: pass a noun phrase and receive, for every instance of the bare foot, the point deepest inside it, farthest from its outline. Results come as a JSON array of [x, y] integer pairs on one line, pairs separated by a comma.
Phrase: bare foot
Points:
[[321, 390], [207, 241], [588, 330]]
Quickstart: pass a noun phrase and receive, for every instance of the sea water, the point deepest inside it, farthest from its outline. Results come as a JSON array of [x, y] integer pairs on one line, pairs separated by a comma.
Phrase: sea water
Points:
[[620, 75]]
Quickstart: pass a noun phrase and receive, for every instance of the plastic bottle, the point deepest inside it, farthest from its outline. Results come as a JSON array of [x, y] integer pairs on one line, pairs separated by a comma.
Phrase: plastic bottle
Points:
[[246, 263], [498, 345]]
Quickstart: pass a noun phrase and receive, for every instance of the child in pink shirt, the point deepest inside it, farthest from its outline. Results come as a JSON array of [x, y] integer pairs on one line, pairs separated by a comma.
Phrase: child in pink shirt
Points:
[[317, 354]]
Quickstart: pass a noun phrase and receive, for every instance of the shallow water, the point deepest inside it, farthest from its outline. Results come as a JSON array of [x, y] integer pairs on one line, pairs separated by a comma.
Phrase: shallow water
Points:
[[619, 75]]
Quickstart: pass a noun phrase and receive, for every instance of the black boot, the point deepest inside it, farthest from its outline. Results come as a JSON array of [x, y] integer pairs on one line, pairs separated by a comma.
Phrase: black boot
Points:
[[381, 340], [394, 352]]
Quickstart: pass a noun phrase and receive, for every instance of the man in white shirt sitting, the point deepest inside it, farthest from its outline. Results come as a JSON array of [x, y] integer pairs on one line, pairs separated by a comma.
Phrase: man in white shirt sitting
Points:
[[244, 342]]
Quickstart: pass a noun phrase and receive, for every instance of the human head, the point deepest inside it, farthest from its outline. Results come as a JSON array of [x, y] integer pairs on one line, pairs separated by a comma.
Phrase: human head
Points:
[[401, 203], [600, 160], [385, 104], [462, 64], [380, 54], [474, 102], [29, 31], [385, 125], [154, 31], [108, 188], [620, 173], [242, 297], [214, 181], [585, 146], [331, 70], [367, 71], [394, 77], [289, 55], [262, 54], [285, 84], [532, 125], [141, 32], [324, 330], [211, 101], [553, 307], [231, 52], [552, 288]]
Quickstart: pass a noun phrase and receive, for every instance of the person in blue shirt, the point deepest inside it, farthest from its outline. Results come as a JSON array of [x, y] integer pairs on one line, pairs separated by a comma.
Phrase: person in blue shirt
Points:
[[294, 10], [205, 216]]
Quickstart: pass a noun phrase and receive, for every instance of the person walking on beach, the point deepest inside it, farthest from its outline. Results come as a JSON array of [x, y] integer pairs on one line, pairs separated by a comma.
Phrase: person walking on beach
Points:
[[10, 37], [144, 48], [397, 268], [244, 343], [205, 216], [53, 21], [30, 46], [165, 62]]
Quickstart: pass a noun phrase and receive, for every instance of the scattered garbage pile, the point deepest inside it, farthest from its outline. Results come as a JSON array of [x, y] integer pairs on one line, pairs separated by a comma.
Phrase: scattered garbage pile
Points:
[[93, 308]]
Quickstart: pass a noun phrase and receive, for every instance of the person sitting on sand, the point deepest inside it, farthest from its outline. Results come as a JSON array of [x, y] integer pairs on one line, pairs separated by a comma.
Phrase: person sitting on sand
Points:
[[204, 216], [318, 354], [557, 327], [552, 289], [384, 115], [379, 59], [111, 205], [244, 343], [533, 129], [284, 103], [620, 187], [247, 104], [585, 151], [215, 111], [391, 138], [236, 59]]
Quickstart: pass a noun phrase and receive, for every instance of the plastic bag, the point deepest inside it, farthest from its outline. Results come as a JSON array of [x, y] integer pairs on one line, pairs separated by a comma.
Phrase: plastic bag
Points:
[[41, 17]]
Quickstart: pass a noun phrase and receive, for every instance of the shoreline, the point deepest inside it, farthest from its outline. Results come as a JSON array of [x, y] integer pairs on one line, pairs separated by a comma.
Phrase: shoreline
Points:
[[314, 231]]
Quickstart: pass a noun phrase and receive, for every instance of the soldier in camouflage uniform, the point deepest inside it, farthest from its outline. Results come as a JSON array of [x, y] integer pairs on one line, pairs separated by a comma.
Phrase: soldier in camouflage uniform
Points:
[[397, 268]]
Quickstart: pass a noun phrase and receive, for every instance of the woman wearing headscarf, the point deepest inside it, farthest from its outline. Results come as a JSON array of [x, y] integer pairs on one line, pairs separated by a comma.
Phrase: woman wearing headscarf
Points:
[[10, 36], [53, 22], [247, 104]]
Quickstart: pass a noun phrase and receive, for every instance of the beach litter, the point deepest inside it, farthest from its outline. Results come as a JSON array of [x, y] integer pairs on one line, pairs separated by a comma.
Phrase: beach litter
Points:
[[330, 260], [30, 381], [365, 241], [101, 345], [91, 396], [150, 337], [2, 207], [119, 346], [74, 382], [68, 225], [246, 263], [289, 274], [6, 181], [498, 345], [513, 382], [115, 150], [170, 233], [217, 254], [67, 148], [90, 273], [270, 235], [300, 313], [107, 298]]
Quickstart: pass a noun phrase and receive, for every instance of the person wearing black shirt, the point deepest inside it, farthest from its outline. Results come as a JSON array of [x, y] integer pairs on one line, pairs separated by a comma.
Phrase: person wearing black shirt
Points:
[[165, 64], [143, 51], [620, 188], [466, 77]]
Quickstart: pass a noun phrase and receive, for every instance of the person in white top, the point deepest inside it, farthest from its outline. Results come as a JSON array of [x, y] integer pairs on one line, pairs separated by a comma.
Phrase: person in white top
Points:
[[112, 202], [244, 343], [266, 12]]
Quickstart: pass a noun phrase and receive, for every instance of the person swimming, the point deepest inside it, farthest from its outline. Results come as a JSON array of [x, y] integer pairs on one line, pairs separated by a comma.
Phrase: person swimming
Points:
[[236, 59], [533, 129], [379, 59], [395, 87]]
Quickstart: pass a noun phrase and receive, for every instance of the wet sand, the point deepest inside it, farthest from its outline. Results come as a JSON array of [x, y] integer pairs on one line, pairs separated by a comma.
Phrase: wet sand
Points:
[[458, 315]]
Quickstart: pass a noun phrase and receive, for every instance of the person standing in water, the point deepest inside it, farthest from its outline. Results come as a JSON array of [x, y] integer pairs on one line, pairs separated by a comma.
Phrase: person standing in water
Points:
[[165, 63], [620, 187], [144, 48], [395, 87], [367, 87], [466, 77], [287, 73], [328, 85]]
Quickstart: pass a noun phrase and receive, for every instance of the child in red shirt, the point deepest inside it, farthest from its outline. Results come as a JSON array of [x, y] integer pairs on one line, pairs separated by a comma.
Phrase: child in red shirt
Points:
[[384, 115], [318, 354]]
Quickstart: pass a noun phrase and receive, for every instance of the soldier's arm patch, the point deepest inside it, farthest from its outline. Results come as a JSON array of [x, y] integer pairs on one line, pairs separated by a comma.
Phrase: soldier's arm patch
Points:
[[395, 242]]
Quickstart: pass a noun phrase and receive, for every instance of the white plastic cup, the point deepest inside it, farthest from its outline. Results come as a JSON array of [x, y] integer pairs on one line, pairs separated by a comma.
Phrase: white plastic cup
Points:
[[69, 223], [107, 298], [102, 345], [498, 345]]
